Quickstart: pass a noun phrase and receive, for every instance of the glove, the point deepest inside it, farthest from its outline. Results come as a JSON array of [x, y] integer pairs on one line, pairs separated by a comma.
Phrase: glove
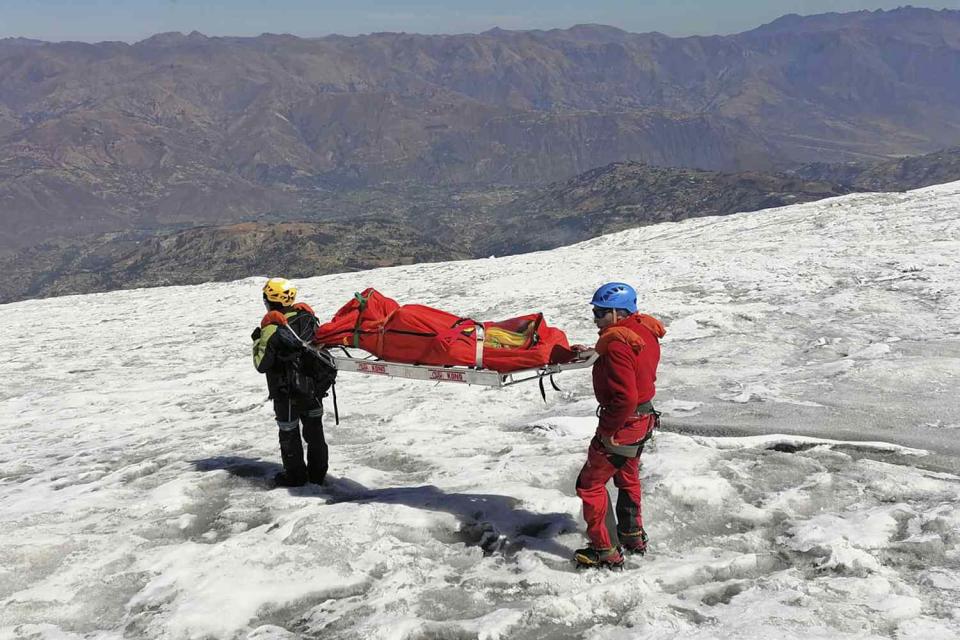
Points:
[[273, 317], [255, 336]]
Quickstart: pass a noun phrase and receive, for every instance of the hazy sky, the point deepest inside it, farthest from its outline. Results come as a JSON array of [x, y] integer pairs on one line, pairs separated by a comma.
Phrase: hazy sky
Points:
[[131, 20]]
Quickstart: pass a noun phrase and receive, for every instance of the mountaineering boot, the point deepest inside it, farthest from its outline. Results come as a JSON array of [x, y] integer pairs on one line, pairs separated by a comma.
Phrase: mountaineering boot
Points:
[[294, 472], [317, 462], [317, 451], [590, 557], [634, 542]]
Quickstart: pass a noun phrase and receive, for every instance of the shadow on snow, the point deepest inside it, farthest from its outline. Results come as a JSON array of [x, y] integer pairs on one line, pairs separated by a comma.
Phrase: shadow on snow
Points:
[[489, 521]]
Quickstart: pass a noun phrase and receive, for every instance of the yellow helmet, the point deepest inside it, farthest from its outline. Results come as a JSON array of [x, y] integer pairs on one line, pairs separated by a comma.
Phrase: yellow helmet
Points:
[[280, 290]]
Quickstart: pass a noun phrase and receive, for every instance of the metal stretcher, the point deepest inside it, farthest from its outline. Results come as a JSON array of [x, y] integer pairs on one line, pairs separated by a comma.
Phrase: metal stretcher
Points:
[[373, 366]]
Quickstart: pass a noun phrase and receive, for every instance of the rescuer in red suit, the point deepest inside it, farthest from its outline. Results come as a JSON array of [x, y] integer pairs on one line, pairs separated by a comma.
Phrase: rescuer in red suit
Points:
[[623, 382]]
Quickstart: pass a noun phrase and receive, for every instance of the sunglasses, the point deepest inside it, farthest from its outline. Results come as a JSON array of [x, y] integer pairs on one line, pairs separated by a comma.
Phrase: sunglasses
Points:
[[600, 313]]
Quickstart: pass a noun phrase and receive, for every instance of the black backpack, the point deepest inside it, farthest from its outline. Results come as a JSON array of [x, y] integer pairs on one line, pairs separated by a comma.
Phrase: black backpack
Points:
[[309, 374]]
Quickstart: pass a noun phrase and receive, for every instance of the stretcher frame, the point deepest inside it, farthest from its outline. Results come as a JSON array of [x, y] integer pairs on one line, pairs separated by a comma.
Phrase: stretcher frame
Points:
[[371, 365]]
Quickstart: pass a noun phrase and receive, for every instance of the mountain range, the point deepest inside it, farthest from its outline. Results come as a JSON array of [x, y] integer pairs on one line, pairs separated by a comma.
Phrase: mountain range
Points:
[[390, 227], [183, 130]]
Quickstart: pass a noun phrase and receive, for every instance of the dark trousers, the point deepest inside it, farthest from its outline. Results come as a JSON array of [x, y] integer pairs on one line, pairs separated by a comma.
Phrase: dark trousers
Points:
[[290, 414]]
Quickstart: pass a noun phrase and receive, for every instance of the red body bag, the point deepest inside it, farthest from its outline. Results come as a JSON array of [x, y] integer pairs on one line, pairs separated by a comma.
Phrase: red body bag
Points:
[[416, 334]]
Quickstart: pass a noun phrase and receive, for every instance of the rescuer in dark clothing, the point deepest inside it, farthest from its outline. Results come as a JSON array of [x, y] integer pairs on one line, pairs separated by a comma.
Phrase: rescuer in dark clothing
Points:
[[297, 380]]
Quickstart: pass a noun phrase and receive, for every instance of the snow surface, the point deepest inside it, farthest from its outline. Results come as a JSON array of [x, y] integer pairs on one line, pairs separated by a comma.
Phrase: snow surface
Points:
[[805, 484]]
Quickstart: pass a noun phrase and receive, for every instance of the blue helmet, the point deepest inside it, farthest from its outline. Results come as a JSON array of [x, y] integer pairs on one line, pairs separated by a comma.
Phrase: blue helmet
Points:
[[615, 295]]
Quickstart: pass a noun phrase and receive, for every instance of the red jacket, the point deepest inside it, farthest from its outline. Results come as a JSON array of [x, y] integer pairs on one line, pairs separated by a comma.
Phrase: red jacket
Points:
[[625, 373]]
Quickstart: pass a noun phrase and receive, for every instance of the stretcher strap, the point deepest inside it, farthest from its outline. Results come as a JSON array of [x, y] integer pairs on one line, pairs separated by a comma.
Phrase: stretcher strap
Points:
[[479, 360], [361, 307], [382, 328]]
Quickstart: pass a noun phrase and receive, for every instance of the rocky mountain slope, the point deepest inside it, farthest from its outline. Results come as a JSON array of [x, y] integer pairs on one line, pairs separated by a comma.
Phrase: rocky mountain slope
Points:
[[433, 224], [629, 194], [203, 254], [625, 195], [184, 129], [895, 175]]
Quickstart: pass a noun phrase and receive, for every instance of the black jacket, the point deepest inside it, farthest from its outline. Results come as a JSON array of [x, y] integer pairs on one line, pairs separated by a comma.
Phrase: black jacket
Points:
[[279, 352]]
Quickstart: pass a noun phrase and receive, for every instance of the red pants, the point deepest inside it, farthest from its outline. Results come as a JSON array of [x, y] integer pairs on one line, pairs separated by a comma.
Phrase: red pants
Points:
[[592, 486]]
